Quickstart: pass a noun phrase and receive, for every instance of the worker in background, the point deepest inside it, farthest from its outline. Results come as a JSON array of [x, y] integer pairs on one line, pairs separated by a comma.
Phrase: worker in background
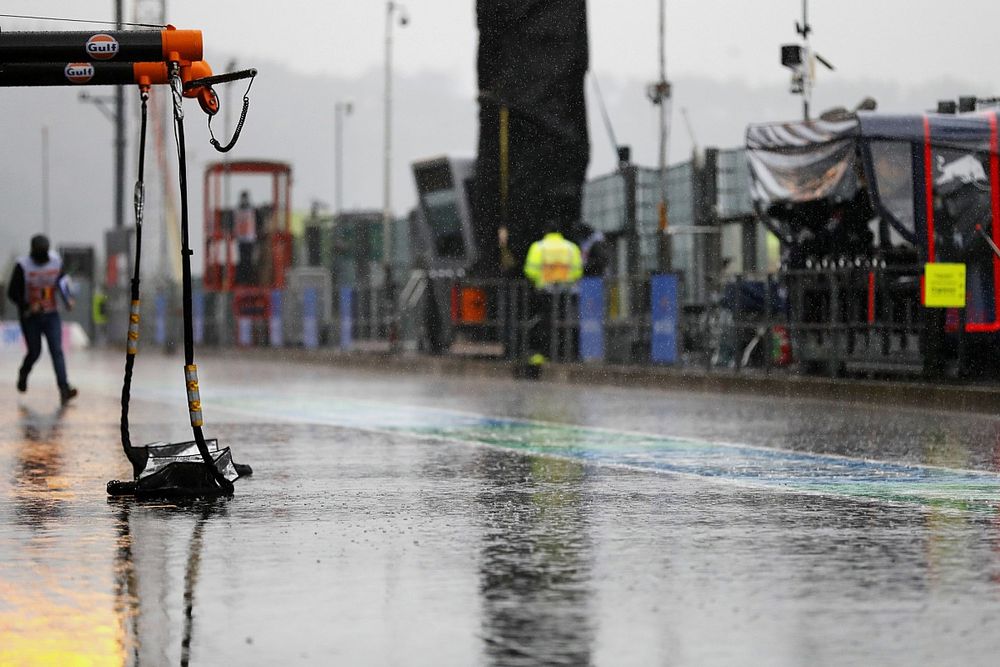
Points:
[[553, 266], [99, 315], [245, 226], [33, 287]]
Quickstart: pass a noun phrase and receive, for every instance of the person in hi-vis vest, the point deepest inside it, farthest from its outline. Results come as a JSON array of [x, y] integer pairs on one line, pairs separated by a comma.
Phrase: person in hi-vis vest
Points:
[[36, 281], [553, 265]]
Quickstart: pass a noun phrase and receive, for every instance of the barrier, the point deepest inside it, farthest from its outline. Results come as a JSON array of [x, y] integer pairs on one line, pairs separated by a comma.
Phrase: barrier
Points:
[[829, 320], [592, 319], [74, 337], [346, 303]]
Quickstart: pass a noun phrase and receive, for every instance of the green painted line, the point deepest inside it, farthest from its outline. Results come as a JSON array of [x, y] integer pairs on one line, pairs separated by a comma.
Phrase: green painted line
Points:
[[760, 467]]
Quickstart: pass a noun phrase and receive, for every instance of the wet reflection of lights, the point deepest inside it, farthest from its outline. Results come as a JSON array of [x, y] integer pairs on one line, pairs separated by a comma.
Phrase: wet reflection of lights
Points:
[[48, 614], [536, 561], [68, 629]]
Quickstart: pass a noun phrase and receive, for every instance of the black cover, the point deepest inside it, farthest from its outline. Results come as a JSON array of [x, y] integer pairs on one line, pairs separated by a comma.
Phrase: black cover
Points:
[[178, 469], [533, 57]]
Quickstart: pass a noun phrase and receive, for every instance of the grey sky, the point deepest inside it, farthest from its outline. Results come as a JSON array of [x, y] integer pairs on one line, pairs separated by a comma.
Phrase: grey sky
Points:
[[722, 56], [907, 40]]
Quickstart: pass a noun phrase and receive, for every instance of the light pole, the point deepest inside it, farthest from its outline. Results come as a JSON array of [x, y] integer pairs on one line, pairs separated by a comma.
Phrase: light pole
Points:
[[340, 109], [119, 121], [45, 180], [393, 11], [108, 105], [659, 95], [226, 179]]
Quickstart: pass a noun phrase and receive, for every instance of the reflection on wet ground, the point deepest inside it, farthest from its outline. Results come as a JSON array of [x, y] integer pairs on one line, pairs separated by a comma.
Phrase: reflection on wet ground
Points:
[[425, 521]]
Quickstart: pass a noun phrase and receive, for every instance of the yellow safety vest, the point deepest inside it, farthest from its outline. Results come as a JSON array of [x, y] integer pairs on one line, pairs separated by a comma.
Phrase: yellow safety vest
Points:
[[553, 261], [99, 308]]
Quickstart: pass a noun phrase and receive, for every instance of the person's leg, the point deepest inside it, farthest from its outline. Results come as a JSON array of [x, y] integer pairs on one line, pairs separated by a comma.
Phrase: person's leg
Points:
[[52, 328], [31, 329], [541, 334]]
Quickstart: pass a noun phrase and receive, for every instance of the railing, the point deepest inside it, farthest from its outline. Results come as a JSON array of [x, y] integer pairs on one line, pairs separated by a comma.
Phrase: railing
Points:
[[856, 319], [828, 320]]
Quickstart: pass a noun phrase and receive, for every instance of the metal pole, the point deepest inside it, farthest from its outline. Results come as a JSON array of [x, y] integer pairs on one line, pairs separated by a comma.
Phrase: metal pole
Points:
[[390, 8], [338, 141], [664, 98], [119, 206], [45, 180], [807, 79], [340, 110], [227, 110]]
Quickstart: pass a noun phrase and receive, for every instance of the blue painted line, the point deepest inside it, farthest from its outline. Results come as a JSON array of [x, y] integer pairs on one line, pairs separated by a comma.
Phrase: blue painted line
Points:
[[756, 466]]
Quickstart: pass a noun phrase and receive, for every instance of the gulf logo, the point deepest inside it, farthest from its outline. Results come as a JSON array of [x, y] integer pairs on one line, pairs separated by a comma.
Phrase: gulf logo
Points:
[[102, 47], [79, 72]]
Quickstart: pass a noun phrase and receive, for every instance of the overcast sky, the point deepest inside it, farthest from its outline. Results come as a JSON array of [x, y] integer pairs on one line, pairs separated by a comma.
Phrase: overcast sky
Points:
[[911, 39], [722, 56]]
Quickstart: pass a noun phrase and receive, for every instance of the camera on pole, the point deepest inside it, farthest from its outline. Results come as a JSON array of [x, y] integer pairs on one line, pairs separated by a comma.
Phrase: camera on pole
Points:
[[801, 59]]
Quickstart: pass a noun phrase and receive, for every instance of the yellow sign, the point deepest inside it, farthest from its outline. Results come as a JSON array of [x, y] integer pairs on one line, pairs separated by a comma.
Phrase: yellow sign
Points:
[[944, 285]]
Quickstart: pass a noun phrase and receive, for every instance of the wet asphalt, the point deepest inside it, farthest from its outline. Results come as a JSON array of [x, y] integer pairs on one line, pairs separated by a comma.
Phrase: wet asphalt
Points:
[[427, 520]]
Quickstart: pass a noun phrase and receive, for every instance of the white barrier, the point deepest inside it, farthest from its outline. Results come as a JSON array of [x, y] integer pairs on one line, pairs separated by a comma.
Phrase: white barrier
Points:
[[73, 336]]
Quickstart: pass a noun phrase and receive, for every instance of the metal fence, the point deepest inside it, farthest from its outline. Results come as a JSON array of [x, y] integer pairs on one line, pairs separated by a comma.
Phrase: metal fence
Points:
[[828, 320], [857, 319]]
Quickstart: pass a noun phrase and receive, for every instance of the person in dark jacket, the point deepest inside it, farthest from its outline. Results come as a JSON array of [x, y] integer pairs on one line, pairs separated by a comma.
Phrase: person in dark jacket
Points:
[[594, 249], [33, 286]]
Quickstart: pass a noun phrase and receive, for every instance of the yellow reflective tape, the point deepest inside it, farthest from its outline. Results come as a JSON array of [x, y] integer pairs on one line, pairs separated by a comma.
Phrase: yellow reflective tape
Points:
[[194, 397], [134, 318]]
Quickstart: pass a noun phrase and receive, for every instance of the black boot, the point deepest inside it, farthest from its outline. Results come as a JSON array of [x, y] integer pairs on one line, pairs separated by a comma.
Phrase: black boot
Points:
[[67, 394], [22, 381]]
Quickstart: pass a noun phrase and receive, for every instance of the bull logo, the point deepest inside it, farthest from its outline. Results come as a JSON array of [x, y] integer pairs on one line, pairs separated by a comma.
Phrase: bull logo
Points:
[[102, 47], [79, 73], [966, 169]]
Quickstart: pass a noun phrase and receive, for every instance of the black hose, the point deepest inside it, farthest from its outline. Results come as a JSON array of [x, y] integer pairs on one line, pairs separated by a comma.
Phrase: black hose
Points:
[[186, 297], [137, 456]]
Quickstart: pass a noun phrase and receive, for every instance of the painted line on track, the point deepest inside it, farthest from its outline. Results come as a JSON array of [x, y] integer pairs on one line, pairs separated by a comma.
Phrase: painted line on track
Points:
[[746, 465]]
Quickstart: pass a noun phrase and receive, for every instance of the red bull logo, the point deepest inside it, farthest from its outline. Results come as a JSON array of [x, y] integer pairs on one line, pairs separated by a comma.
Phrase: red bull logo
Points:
[[79, 72], [102, 47]]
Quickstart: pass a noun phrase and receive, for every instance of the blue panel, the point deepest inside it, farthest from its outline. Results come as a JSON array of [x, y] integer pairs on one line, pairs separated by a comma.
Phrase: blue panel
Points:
[[310, 322], [160, 320], [198, 317], [591, 319], [665, 311], [346, 317], [276, 327]]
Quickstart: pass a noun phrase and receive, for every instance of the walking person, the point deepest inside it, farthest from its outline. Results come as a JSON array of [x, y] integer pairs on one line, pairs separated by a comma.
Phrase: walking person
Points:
[[33, 287]]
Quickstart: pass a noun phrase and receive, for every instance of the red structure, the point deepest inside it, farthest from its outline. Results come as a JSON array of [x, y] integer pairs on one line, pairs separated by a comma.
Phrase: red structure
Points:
[[273, 237], [248, 250]]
